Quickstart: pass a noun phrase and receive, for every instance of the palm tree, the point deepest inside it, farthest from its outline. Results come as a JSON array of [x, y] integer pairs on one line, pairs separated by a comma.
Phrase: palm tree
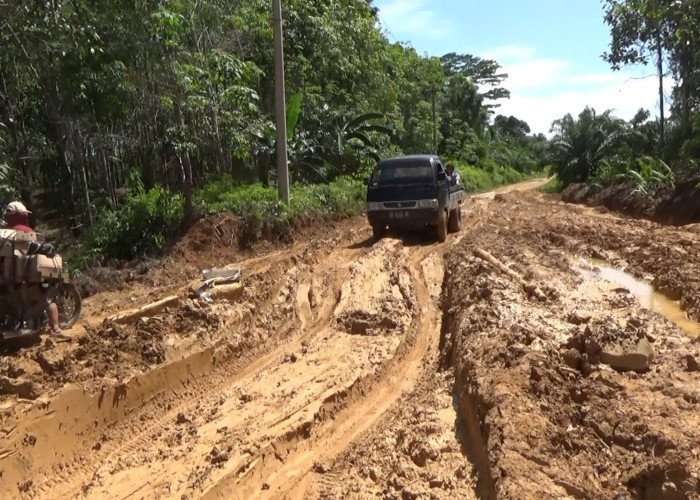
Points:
[[580, 145]]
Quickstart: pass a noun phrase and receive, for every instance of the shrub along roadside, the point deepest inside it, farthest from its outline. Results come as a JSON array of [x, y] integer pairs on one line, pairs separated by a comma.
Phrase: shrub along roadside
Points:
[[554, 185], [475, 180], [145, 221], [148, 220]]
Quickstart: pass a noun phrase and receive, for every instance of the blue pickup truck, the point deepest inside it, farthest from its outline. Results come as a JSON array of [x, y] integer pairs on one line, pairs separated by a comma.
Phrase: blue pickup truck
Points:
[[413, 193]]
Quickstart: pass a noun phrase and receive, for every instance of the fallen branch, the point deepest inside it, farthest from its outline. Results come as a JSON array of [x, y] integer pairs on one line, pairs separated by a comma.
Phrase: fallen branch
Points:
[[530, 288], [231, 292], [145, 310]]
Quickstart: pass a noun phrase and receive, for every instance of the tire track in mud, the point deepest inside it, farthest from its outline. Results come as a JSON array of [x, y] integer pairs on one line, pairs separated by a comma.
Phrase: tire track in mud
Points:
[[264, 367], [359, 408], [344, 412], [205, 372]]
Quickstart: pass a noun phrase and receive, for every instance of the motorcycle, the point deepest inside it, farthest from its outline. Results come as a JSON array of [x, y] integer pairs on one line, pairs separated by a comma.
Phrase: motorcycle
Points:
[[31, 277]]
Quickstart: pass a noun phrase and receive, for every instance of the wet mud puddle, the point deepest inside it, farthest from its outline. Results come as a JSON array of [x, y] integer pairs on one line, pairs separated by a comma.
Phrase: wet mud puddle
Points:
[[645, 294]]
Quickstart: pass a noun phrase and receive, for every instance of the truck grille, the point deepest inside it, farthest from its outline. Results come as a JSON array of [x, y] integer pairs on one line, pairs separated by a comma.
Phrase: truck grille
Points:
[[400, 204]]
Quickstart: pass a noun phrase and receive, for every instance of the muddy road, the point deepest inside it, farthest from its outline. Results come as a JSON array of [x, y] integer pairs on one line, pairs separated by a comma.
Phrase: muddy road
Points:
[[545, 351]]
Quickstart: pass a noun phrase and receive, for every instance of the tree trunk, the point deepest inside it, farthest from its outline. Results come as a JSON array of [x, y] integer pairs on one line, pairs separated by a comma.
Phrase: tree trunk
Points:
[[78, 157], [186, 166]]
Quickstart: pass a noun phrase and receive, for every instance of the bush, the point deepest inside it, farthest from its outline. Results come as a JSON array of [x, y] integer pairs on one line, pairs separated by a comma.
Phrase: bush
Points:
[[649, 173], [476, 179], [145, 221], [262, 211], [608, 173], [554, 185], [348, 196]]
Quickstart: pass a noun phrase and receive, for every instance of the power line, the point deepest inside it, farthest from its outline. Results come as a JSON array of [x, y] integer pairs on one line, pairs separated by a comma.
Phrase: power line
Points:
[[387, 26]]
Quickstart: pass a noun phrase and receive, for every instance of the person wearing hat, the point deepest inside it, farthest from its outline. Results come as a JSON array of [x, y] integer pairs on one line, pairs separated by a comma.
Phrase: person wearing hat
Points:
[[17, 218]]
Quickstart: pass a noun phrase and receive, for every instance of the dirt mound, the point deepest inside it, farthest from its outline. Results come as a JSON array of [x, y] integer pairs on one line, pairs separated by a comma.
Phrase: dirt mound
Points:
[[541, 386], [678, 205], [413, 454], [606, 341]]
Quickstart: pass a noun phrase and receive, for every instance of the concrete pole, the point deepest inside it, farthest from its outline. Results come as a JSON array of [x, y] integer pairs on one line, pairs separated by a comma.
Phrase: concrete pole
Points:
[[280, 104]]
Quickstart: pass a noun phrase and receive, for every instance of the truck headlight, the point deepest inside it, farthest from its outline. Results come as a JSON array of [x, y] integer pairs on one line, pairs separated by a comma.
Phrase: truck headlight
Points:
[[427, 204], [375, 205]]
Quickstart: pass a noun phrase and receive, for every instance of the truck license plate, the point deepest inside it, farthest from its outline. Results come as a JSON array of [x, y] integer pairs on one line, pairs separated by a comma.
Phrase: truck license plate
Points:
[[398, 214]]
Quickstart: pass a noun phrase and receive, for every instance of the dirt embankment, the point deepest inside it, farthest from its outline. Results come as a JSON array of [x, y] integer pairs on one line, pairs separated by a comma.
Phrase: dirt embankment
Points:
[[576, 391], [677, 206]]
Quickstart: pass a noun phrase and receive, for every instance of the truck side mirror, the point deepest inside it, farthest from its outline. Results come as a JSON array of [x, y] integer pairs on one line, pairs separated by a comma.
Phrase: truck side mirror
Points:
[[441, 177]]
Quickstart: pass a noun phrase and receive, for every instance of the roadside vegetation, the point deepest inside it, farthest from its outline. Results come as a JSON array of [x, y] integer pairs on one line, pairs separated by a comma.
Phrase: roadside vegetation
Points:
[[132, 119], [642, 154], [128, 121]]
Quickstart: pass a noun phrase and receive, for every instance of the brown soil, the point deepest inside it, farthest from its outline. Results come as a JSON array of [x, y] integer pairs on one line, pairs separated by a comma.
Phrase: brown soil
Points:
[[484, 367]]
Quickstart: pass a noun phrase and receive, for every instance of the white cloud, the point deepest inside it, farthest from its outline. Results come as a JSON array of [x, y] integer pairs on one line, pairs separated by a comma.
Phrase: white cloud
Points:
[[543, 90], [534, 73], [595, 78], [624, 97], [413, 17]]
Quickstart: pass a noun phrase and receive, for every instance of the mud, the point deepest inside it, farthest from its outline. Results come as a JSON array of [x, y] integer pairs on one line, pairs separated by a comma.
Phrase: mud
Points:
[[557, 416], [484, 367]]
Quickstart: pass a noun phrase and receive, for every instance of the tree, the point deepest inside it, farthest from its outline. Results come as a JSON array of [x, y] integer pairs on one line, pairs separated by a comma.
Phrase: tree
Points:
[[464, 115], [511, 126], [640, 31], [579, 146], [643, 31], [483, 72]]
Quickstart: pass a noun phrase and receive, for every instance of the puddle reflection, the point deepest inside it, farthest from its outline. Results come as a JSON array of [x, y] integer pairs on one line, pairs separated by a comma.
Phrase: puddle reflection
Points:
[[642, 291]]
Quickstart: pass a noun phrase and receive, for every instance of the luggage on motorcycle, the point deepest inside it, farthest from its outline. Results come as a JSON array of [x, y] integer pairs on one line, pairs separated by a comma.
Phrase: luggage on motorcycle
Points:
[[17, 266], [42, 267], [20, 239]]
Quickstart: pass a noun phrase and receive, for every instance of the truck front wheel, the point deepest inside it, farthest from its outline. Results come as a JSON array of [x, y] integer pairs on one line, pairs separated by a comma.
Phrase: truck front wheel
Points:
[[441, 228], [454, 223]]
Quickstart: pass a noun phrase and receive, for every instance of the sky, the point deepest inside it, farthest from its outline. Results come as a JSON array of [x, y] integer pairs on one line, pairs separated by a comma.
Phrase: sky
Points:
[[550, 49]]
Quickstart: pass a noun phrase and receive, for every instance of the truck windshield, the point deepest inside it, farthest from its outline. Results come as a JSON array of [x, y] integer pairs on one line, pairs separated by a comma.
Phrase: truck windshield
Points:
[[410, 173]]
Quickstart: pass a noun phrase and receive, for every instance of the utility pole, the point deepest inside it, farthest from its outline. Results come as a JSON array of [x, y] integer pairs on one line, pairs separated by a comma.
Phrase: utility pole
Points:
[[280, 104], [434, 125], [660, 71]]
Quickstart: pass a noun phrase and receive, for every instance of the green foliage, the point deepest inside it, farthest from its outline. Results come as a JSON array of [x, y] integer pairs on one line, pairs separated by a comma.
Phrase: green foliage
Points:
[[483, 72], [143, 223], [8, 182], [608, 173], [646, 173], [292, 113], [261, 209], [649, 173], [579, 146], [475, 179], [554, 185], [666, 33]]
